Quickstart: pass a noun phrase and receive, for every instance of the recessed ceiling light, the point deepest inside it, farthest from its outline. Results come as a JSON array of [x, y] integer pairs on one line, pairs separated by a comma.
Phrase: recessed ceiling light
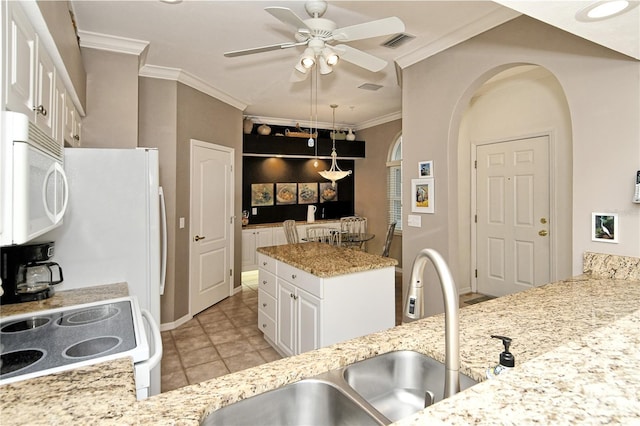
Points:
[[370, 86], [604, 9], [171, 1]]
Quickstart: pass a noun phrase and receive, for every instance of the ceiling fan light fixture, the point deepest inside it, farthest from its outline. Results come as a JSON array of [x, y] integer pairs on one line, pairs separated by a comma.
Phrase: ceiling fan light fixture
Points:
[[330, 56], [308, 58], [324, 67]]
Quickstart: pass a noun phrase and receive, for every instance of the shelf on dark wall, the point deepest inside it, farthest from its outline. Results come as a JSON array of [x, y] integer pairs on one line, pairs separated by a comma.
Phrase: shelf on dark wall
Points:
[[258, 170], [285, 145]]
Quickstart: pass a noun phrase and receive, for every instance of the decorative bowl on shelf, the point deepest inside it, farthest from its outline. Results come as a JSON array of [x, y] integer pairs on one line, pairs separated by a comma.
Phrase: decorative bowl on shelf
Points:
[[264, 130]]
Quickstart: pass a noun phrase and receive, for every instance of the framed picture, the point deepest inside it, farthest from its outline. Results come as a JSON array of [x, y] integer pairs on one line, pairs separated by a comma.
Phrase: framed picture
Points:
[[422, 198], [261, 194], [604, 227], [286, 193], [328, 193], [425, 169], [308, 193]]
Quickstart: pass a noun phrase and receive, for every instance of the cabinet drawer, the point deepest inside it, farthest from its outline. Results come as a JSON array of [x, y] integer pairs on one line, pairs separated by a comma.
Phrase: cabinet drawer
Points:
[[266, 303], [301, 279], [267, 282], [267, 325], [267, 263]]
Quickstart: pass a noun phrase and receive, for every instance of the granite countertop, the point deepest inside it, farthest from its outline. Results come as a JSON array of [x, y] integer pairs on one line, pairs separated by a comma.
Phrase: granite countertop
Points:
[[576, 344], [324, 260]]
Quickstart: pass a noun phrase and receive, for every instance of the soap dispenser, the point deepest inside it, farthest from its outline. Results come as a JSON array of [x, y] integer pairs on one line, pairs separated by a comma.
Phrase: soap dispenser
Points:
[[507, 361]]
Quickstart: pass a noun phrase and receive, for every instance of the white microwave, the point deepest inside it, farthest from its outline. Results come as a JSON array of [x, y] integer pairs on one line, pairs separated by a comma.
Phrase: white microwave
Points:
[[33, 185]]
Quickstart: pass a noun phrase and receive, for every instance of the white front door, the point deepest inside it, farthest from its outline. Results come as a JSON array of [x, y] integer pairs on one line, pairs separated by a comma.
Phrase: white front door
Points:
[[211, 225], [512, 206]]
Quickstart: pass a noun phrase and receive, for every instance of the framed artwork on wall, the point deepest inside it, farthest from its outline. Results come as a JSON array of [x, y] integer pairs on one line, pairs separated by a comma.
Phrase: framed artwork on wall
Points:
[[425, 169], [328, 193], [261, 194], [286, 193], [422, 195], [604, 227], [308, 193]]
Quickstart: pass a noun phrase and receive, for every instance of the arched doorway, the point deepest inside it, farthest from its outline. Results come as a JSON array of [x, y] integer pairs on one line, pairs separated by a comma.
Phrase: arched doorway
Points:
[[524, 107]]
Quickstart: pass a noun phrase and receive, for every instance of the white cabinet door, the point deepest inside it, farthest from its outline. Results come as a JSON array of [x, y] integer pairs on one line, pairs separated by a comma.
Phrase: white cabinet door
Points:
[[45, 97], [248, 249], [279, 237], [309, 320], [60, 106], [286, 332], [21, 62]]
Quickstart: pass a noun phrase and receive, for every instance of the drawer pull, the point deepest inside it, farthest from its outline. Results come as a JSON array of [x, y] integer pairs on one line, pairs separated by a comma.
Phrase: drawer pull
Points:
[[264, 325], [40, 109], [293, 276], [264, 282], [291, 295], [264, 263], [264, 305]]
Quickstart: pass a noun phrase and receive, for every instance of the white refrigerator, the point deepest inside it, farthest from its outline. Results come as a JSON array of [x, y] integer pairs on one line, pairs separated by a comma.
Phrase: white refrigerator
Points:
[[114, 229]]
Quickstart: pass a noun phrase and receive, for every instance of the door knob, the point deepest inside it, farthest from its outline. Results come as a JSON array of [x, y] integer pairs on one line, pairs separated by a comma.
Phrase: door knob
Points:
[[198, 238], [543, 233]]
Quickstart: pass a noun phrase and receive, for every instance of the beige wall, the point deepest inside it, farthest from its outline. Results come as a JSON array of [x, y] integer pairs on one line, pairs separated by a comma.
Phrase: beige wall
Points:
[[371, 185], [529, 103], [206, 119], [157, 121], [112, 100], [601, 88], [58, 21]]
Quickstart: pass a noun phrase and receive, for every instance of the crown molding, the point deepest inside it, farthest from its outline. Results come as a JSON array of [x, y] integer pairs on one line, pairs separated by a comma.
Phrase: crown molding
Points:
[[485, 23], [167, 73], [112, 43]]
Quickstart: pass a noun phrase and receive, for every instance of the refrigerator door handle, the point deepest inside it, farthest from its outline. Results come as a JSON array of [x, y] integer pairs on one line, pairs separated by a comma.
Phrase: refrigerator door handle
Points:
[[163, 245]]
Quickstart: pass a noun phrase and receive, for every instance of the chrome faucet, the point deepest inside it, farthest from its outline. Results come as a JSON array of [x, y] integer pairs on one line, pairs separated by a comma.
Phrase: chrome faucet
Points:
[[414, 309]]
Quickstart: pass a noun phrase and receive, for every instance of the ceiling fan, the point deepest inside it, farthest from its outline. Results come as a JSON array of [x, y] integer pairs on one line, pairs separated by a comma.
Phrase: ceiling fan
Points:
[[318, 34]]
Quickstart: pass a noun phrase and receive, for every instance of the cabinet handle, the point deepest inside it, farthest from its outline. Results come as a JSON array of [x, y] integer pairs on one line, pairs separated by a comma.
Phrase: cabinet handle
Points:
[[40, 109], [76, 137], [264, 282], [293, 277], [264, 305], [264, 263], [291, 295], [295, 297], [264, 325]]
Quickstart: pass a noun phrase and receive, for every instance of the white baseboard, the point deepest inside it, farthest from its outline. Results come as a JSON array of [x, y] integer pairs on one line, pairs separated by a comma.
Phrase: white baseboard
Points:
[[175, 324]]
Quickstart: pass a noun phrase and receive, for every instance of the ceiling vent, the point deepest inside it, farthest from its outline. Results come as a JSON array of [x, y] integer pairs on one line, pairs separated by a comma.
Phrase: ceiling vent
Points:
[[370, 86], [398, 40]]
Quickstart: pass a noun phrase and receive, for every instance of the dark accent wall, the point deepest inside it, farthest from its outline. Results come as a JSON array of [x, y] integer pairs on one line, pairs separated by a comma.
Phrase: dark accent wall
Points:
[[295, 170]]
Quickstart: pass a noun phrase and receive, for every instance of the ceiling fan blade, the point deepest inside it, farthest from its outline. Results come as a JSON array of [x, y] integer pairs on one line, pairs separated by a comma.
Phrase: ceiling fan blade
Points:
[[381, 27], [269, 48], [360, 58], [286, 15]]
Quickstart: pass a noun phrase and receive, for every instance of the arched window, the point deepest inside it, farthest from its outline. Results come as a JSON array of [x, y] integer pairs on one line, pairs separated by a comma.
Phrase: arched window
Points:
[[394, 183]]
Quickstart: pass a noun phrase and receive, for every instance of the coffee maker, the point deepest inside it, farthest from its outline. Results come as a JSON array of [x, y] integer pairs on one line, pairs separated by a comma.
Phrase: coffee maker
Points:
[[27, 274]]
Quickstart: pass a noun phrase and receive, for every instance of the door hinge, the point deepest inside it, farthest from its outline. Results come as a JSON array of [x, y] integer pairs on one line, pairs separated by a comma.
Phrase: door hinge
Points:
[[231, 168], [476, 273], [476, 218], [230, 272], [475, 164]]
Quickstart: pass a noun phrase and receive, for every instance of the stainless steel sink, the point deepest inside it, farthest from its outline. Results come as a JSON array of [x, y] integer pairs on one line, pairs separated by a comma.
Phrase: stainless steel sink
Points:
[[307, 402], [396, 383], [376, 391]]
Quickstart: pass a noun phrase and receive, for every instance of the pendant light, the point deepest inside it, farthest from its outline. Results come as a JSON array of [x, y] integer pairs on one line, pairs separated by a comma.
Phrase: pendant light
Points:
[[334, 173]]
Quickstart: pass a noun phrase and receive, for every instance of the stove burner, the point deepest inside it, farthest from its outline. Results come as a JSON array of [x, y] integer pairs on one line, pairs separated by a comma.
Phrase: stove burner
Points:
[[89, 316], [92, 347], [24, 325], [14, 361]]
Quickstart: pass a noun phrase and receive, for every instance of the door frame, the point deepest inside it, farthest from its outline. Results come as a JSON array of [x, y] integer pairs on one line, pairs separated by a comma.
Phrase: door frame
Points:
[[553, 215], [231, 151]]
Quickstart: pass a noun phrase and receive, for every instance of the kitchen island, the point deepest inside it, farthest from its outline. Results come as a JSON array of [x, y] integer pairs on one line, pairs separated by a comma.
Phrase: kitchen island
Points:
[[576, 344]]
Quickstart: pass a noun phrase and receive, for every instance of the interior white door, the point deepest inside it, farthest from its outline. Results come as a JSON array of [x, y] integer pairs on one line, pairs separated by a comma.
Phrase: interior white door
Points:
[[211, 225], [512, 206]]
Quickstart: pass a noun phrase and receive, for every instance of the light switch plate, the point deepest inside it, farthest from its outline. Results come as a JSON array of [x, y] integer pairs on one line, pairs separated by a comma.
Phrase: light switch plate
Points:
[[181, 223], [254, 211], [414, 220]]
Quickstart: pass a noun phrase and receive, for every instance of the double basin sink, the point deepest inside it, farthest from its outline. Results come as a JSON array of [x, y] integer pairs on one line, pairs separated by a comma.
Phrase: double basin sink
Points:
[[376, 391]]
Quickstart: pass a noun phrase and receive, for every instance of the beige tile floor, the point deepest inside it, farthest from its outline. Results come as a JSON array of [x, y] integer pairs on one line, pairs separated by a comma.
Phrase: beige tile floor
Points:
[[224, 338]]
